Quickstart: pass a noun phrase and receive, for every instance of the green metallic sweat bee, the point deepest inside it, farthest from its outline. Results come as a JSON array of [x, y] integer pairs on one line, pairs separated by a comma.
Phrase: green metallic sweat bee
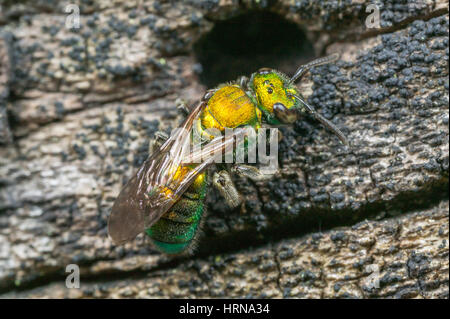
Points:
[[165, 198]]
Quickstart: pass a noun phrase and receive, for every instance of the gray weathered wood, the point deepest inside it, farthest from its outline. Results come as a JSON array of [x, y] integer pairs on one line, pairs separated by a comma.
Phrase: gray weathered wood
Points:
[[83, 105]]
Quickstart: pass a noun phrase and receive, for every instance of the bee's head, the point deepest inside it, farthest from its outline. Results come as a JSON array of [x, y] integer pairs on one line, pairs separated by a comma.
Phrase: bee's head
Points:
[[279, 99], [272, 90]]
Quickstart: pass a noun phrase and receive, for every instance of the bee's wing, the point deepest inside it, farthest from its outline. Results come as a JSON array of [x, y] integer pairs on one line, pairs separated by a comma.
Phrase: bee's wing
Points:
[[139, 202], [154, 189]]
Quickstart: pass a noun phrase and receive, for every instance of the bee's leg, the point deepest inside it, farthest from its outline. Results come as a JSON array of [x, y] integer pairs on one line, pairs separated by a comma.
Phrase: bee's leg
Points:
[[182, 107], [160, 138], [251, 172], [222, 181]]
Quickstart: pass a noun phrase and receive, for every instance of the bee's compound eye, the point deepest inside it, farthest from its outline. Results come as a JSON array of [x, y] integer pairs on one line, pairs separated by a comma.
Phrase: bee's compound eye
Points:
[[264, 71]]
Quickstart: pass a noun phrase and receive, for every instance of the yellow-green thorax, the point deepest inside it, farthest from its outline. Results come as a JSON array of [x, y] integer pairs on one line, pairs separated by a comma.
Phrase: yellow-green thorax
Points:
[[230, 107]]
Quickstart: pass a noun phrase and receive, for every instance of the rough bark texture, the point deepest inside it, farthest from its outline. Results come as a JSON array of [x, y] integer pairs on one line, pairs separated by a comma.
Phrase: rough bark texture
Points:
[[404, 257], [79, 107]]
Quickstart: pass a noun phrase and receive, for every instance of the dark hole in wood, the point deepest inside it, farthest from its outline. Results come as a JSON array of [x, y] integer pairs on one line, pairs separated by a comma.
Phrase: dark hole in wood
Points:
[[242, 45]]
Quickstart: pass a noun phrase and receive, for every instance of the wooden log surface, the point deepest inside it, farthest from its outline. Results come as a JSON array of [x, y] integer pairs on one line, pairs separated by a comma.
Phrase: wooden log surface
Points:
[[79, 108]]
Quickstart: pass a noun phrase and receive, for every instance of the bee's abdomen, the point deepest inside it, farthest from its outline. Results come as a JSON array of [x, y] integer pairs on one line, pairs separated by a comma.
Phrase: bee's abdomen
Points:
[[175, 231]]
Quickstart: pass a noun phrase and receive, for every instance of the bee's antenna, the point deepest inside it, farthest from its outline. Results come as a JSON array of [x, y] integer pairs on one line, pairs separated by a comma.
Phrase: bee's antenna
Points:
[[304, 68], [322, 120]]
